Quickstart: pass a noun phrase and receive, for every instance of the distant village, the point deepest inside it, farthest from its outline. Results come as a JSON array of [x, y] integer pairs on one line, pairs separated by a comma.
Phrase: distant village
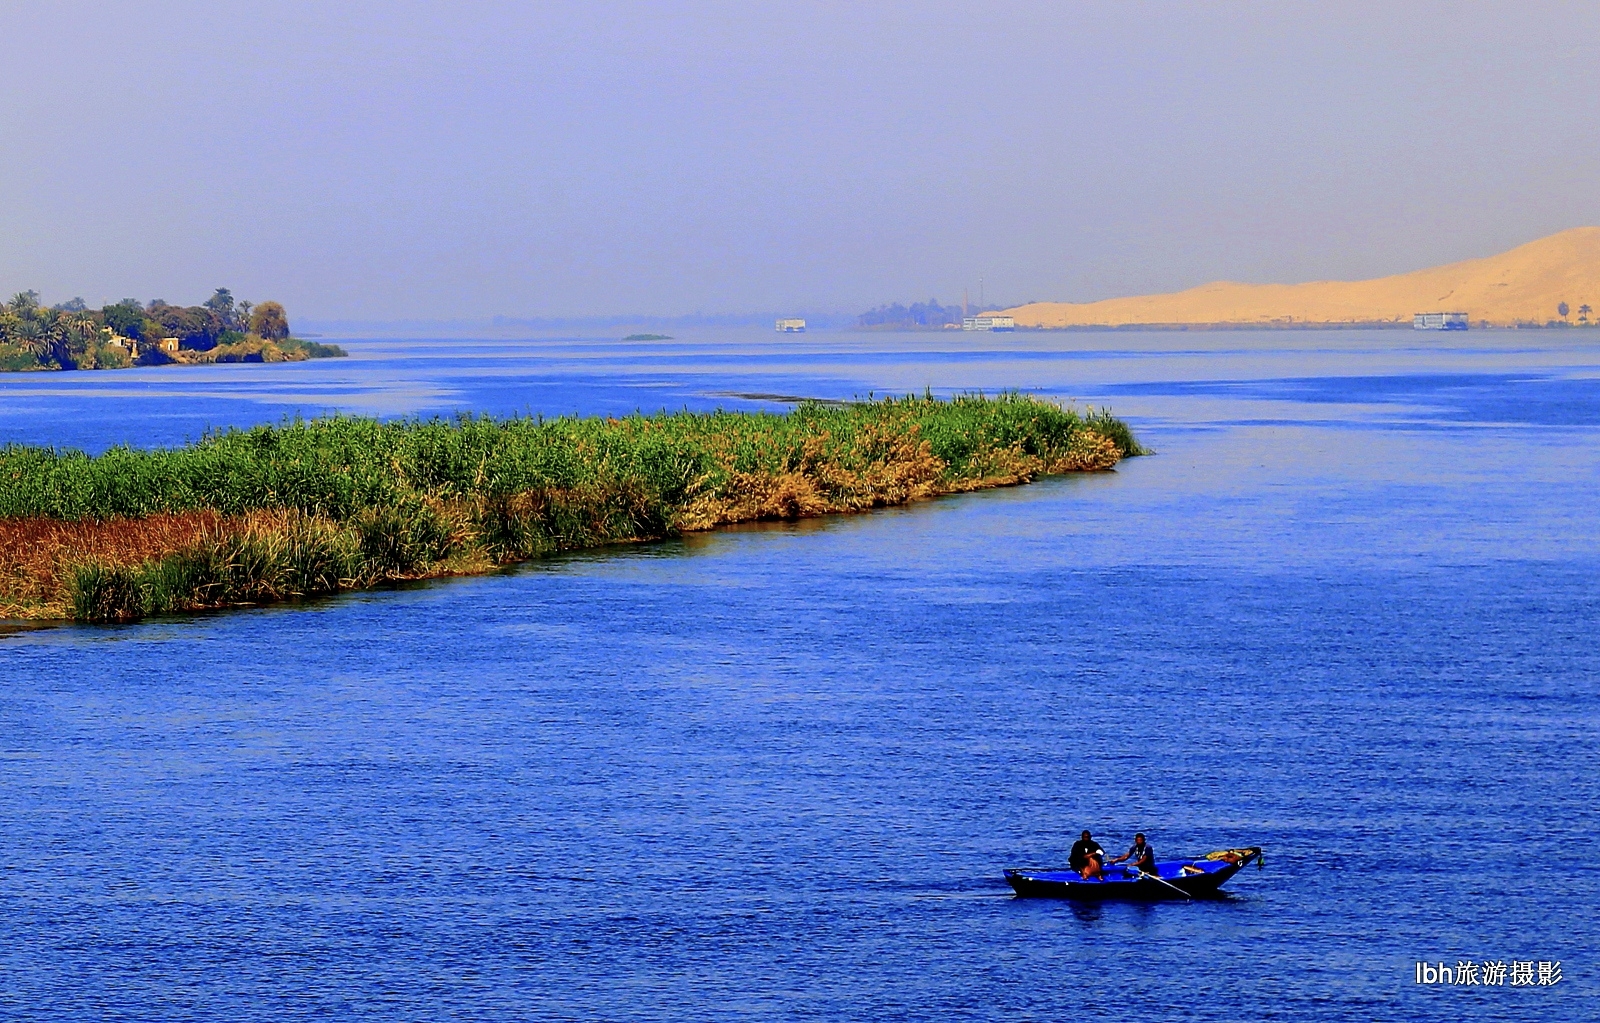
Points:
[[930, 315], [130, 333]]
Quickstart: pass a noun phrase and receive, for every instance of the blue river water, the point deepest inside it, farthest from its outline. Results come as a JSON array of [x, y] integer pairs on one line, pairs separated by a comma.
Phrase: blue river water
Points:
[[1348, 613]]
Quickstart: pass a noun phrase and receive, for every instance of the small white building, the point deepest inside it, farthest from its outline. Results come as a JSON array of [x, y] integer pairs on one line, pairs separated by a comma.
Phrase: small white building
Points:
[[1439, 321], [989, 322], [793, 325]]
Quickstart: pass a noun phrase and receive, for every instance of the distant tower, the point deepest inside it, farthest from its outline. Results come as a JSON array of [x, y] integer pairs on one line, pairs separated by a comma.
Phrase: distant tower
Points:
[[964, 313]]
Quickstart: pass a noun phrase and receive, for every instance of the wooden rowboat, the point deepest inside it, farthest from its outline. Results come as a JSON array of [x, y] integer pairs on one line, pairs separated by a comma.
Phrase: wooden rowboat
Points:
[[1175, 879]]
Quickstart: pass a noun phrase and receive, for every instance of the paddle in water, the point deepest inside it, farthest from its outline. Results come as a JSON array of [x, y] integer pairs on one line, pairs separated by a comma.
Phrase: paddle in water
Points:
[[1157, 878]]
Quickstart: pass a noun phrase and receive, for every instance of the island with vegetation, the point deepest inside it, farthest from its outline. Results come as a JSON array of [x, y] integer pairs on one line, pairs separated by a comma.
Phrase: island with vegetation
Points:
[[129, 333], [648, 337], [314, 507]]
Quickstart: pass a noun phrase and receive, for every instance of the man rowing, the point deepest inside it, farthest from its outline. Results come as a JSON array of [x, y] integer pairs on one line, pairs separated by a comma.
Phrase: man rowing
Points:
[[1143, 857]]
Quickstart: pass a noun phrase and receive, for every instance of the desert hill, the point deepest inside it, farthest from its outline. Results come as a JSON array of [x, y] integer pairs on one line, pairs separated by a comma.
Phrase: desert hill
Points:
[[1523, 286]]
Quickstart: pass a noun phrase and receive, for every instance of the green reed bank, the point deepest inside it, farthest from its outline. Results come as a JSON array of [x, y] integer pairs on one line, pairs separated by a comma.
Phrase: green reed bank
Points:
[[306, 508]]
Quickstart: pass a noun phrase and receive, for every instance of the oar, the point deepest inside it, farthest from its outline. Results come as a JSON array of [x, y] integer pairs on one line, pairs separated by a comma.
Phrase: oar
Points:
[[1169, 884]]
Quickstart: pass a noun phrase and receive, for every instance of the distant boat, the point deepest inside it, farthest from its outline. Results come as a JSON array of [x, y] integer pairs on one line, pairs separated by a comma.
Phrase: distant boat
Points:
[[793, 325], [1439, 321], [1174, 879]]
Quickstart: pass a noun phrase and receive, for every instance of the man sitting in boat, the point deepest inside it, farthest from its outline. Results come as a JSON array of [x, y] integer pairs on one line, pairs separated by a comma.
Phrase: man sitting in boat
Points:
[[1087, 857], [1143, 857]]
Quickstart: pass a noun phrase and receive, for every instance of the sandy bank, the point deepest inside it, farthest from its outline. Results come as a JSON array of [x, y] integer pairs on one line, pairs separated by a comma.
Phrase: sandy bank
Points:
[[1524, 286]]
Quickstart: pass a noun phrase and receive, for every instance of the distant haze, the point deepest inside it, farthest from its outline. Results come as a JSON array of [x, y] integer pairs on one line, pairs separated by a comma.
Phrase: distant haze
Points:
[[430, 160]]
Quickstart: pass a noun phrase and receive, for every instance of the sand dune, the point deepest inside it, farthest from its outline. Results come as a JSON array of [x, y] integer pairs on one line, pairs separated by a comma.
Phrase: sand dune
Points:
[[1523, 286]]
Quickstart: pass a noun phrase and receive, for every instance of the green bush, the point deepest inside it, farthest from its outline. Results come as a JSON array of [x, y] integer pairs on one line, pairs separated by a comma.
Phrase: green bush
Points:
[[401, 541], [104, 593], [14, 359], [312, 349]]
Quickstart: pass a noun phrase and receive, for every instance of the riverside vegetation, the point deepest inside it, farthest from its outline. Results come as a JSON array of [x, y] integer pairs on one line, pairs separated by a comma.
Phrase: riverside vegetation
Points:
[[314, 507], [127, 333]]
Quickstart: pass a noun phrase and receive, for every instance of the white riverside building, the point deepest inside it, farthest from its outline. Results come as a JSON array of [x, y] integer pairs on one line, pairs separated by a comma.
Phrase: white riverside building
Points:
[[794, 325], [989, 323], [1439, 321]]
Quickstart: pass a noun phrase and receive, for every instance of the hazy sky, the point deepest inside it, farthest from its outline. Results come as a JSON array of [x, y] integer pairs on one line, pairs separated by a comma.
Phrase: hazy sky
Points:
[[458, 160]]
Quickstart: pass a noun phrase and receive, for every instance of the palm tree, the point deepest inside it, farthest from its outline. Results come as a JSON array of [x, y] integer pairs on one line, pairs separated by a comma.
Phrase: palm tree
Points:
[[1583, 313]]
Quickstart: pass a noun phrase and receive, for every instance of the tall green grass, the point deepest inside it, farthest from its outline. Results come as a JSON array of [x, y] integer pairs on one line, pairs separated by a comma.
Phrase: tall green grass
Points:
[[339, 467], [329, 504], [309, 558]]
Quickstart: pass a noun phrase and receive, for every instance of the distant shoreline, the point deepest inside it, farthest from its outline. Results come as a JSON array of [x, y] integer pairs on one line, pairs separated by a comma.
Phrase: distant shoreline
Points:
[[1550, 282], [1103, 328], [250, 350]]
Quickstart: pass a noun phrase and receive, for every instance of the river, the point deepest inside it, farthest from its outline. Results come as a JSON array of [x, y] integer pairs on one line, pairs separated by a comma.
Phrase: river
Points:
[[1347, 612]]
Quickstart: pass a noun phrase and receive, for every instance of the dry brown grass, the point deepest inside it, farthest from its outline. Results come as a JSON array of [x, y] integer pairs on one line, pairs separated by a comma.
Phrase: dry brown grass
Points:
[[904, 469], [907, 470], [36, 553]]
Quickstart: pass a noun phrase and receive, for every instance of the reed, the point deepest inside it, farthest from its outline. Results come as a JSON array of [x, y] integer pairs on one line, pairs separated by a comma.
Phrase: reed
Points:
[[313, 507]]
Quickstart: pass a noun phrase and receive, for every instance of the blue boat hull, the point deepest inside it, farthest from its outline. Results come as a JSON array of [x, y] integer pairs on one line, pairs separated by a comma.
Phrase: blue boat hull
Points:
[[1179, 880]]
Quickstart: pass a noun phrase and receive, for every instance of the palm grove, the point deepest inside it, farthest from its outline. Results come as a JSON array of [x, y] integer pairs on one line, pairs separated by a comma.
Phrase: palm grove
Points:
[[128, 333]]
